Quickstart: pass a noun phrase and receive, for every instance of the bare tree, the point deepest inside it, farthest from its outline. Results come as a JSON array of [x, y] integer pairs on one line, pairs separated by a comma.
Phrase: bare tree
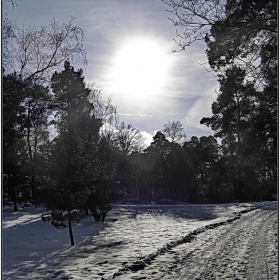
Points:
[[104, 110], [193, 19], [174, 131], [128, 139], [37, 53], [8, 37], [6, 3], [240, 32]]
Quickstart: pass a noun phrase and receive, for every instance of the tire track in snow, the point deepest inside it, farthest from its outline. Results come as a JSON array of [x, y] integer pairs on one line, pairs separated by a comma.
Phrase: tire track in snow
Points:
[[232, 250], [195, 264], [168, 248], [259, 259], [241, 252], [223, 240]]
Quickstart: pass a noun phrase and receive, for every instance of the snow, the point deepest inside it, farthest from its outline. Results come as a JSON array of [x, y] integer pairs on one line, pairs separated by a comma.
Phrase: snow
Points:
[[145, 242]]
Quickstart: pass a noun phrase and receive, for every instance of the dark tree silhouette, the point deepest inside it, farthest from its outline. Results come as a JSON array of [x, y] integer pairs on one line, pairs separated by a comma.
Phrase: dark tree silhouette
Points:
[[73, 161], [15, 155], [128, 139]]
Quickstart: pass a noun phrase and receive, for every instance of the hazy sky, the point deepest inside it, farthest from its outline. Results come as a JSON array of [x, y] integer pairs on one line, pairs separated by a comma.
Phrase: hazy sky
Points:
[[129, 47]]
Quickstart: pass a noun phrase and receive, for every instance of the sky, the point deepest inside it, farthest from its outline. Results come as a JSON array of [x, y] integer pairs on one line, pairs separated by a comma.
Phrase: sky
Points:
[[130, 57]]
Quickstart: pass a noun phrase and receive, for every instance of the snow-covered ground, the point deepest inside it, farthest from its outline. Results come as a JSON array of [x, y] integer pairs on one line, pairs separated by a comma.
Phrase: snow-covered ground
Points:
[[225, 241]]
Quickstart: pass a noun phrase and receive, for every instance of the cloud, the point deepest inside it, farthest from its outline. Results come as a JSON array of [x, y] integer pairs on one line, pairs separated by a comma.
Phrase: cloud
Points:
[[200, 109], [148, 138], [134, 115], [107, 128], [187, 92]]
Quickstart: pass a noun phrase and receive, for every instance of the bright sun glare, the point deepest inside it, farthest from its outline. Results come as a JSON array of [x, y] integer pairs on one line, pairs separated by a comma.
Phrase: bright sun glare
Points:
[[140, 67]]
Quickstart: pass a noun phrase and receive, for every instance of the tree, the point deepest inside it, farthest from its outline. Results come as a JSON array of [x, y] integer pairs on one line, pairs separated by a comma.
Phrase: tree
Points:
[[99, 200], [249, 27], [74, 165], [8, 34], [14, 152], [201, 158], [128, 139], [228, 117], [36, 103], [193, 19], [30, 56], [36, 53], [178, 171], [103, 109], [196, 18], [25, 126], [174, 131], [235, 32], [156, 157], [109, 156], [137, 169], [63, 192], [234, 121], [240, 36]]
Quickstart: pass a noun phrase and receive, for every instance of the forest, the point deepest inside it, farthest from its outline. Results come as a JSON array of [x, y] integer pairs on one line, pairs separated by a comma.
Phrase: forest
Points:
[[64, 146]]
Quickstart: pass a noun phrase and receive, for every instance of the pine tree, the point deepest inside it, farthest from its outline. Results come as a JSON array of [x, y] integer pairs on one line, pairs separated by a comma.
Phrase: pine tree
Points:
[[73, 161], [14, 152]]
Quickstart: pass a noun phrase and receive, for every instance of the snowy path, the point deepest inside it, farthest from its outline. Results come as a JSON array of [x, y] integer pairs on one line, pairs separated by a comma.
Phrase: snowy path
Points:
[[136, 232], [245, 249], [147, 242]]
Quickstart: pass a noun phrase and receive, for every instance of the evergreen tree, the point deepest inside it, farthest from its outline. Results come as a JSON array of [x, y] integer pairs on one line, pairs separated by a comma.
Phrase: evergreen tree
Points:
[[202, 155], [73, 161], [178, 174], [14, 152], [236, 120], [242, 39], [36, 105], [235, 31]]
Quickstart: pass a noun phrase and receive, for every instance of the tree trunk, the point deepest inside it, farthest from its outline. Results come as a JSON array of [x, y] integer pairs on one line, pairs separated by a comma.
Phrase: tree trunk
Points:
[[94, 213], [33, 190], [86, 211], [14, 195], [137, 190], [70, 230], [104, 212], [28, 124], [103, 215], [15, 206], [33, 186]]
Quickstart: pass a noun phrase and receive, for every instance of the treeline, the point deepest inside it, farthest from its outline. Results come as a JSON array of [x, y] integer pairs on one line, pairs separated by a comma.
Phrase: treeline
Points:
[[93, 158], [199, 171], [241, 40]]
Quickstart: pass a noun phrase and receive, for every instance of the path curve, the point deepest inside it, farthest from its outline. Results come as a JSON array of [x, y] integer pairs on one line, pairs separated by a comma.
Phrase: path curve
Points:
[[243, 249]]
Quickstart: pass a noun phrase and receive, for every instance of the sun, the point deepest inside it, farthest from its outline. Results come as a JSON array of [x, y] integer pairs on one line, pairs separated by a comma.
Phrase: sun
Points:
[[140, 67]]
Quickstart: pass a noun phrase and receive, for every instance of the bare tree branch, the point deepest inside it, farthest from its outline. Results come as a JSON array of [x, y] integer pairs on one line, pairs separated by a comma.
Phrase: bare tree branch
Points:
[[174, 131], [37, 53], [129, 139]]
